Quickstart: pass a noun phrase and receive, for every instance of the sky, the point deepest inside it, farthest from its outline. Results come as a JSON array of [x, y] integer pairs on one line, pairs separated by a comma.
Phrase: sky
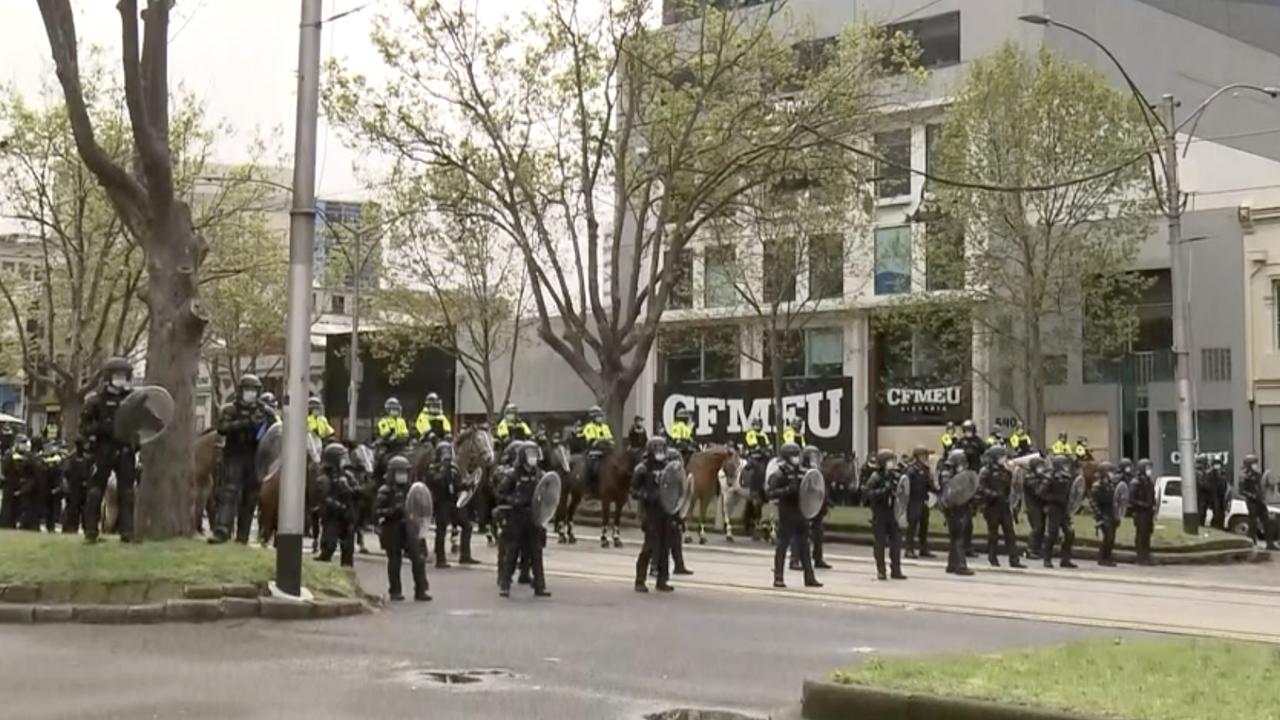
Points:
[[238, 56]]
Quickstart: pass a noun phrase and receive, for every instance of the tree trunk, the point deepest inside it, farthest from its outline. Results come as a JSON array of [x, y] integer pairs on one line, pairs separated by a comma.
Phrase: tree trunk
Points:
[[614, 405], [1035, 417], [71, 402], [776, 361], [173, 354]]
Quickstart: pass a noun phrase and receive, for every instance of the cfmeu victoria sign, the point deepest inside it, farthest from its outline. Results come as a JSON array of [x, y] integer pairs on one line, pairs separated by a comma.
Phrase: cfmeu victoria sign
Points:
[[722, 411], [922, 404]]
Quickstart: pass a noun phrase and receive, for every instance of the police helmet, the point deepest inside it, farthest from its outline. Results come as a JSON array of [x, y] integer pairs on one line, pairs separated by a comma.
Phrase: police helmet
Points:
[[530, 454], [334, 455], [313, 403], [1144, 467], [995, 453], [444, 452], [682, 414], [595, 413], [116, 365], [884, 456], [920, 451], [656, 447], [1201, 461], [250, 381], [432, 402], [269, 399], [757, 424], [951, 425], [1062, 436], [1106, 467], [795, 423], [392, 405], [511, 410], [811, 455], [968, 427], [1126, 465], [956, 458], [790, 452], [1250, 460], [1036, 463], [1061, 462], [398, 469]]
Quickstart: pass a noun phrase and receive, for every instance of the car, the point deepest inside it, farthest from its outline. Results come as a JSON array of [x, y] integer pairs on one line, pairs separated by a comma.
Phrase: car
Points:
[[1169, 500]]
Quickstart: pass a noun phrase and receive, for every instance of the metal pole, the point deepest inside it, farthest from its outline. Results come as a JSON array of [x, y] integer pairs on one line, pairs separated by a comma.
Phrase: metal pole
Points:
[[302, 229], [1181, 353], [353, 414]]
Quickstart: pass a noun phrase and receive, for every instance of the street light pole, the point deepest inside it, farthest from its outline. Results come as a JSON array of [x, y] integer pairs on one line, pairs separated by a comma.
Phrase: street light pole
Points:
[[302, 228], [353, 400]]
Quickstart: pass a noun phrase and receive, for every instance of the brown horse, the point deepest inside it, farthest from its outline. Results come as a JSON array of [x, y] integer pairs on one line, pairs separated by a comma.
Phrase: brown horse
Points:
[[715, 472], [613, 487], [208, 468], [269, 494]]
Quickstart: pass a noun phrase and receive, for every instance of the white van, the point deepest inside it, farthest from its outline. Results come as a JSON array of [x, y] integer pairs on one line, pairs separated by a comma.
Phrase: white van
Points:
[[1169, 498]]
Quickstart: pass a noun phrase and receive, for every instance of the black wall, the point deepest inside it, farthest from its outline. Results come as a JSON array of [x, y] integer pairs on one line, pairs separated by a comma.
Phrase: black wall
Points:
[[430, 370]]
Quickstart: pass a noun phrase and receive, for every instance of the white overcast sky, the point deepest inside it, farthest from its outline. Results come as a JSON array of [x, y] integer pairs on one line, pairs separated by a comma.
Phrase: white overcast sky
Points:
[[239, 56]]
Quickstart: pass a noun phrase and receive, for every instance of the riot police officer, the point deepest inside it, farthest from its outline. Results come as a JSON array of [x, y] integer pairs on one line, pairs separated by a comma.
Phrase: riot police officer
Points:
[[522, 536], [1142, 500], [1034, 481], [922, 484], [994, 484], [241, 423], [75, 480], [21, 477], [811, 459], [52, 466], [398, 538], [882, 491], [338, 509], [1254, 494], [445, 481], [1056, 494], [793, 529], [637, 436], [97, 426], [958, 515], [1104, 514], [657, 521]]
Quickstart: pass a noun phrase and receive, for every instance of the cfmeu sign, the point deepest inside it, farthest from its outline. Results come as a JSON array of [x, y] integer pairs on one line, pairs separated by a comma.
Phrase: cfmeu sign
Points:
[[722, 411]]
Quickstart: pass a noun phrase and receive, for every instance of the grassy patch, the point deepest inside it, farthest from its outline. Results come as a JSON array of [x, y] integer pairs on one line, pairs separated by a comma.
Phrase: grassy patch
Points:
[[1167, 533], [1135, 680], [27, 557]]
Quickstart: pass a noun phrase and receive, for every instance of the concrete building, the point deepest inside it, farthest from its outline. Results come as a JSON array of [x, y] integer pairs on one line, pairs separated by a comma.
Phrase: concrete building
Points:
[[1261, 271]]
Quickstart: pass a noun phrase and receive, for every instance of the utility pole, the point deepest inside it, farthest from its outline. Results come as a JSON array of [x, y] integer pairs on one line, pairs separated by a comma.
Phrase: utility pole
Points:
[[1181, 353], [353, 392], [302, 230]]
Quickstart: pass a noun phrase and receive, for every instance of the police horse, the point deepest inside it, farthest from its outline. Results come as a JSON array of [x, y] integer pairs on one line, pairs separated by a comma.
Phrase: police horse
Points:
[[613, 487], [715, 473]]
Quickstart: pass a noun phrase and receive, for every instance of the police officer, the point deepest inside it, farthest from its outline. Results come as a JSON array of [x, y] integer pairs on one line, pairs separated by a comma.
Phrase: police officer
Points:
[[1033, 483], [1124, 471], [398, 539], [1218, 488], [317, 423], [994, 484], [922, 484], [1056, 494], [75, 478], [596, 438], [793, 528], [995, 439], [949, 437], [21, 475], [445, 482], [269, 400], [522, 536], [1081, 451], [432, 424], [511, 427], [97, 425], [637, 436], [680, 434], [759, 450], [52, 430], [1019, 440], [656, 521], [241, 423], [52, 464], [958, 516], [1061, 446], [337, 486], [793, 433], [971, 445], [1104, 515], [1254, 494], [811, 459], [393, 436], [882, 492], [1142, 499]]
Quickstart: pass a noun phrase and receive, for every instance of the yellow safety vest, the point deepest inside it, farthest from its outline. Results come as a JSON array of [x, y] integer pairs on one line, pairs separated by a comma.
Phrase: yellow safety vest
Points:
[[594, 431], [680, 431], [790, 435], [392, 428], [425, 422], [319, 426], [1061, 448], [756, 438], [504, 429]]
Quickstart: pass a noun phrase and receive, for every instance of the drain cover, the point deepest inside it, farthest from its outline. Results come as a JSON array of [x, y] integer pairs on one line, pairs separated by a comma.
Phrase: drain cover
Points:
[[698, 714], [466, 676]]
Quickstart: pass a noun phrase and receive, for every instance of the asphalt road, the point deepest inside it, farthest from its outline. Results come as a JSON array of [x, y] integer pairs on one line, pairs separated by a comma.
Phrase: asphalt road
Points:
[[596, 650]]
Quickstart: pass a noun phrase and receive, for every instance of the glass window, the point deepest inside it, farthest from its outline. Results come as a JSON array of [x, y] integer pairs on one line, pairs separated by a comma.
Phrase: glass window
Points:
[[1215, 364], [780, 271], [893, 177], [696, 355], [893, 260], [720, 354], [932, 141], [793, 353], [718, 277], [938, 37], [824, 352], [1173, 488], [826, 266], [1055, 369], [682, 290], [338, 304], [944, 256]]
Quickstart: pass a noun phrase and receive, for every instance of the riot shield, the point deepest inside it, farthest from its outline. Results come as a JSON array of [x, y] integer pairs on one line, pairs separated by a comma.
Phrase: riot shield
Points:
[[1077, 496], [418, 511], [902, 497], [1120, 500], [1270, 488], [270, 448], [469, 487], [144, 415], [960, 489], [1017, 488], [546, 498], [813, 493], [671, 487]]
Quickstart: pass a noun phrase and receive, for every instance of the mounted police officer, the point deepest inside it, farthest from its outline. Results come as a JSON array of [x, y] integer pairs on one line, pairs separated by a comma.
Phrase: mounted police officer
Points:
[[398, 539], [793, 528], [1254, 494], [994, 484], [680, 435], [521, 534], [392, 438], [1104, 513], [241, 423], [759, 450], [511, 427], [949, 438], [1142, 499], [1019, 441], [1056, 494], [645, 488], [882, 491], [1061, 446], [432, 424], [922, 484], [597, 438], [97, 428], [317, 423], [637, 436], [1082, 452], [793, 433], [337, 487], [958, 516]]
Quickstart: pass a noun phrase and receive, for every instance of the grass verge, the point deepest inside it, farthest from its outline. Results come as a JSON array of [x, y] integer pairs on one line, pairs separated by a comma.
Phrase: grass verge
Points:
[[28, 557], [1137, 680]]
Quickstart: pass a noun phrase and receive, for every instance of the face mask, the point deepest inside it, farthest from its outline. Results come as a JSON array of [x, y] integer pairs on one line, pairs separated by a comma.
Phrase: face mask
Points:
[[120, 381], [394, 412], [24, 447], [794, 460], [249, 396], [891, 465], [402, 478]]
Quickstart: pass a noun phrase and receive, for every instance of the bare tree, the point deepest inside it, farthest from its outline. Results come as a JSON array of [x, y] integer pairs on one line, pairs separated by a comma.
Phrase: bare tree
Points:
[[598, 146]]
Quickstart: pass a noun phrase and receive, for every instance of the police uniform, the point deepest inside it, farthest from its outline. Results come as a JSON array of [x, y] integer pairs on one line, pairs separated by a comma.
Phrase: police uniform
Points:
[[921, 483], [1061, 447], [637, 437], [97, 428], [76, 477], [241, 424], [1104, 515], [656, 521], [680, 434], [595, 436], [398, 540], [392, 439], [21, 504], [958, 517], [434, 426], [1254, 494], [994, 484], [1019, 443], [509, 430], [51, 462], [1142, 500], [318, 425], [521, 535], [792, 436], [445, 482], [882, 489], [1056, 494], [793, 529], [338, 514]]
